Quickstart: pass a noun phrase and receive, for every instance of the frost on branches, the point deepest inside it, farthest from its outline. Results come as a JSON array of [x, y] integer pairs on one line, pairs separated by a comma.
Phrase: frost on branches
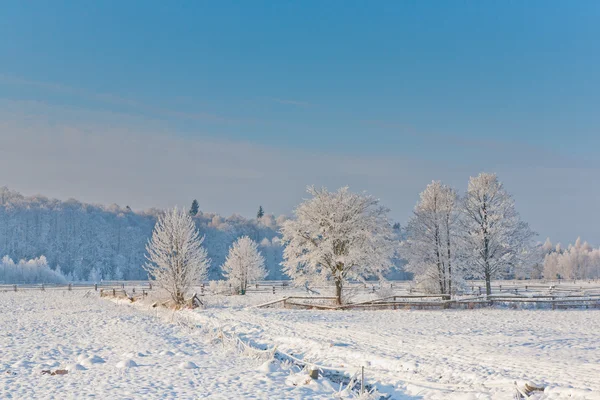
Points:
[[244, 264], [577, 261], [337, 236], [431, 238], [494, 239], [176, 258]]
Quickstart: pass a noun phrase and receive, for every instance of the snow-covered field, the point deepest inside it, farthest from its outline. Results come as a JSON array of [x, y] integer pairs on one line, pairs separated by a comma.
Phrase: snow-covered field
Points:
[[116, 351], [450, 354]]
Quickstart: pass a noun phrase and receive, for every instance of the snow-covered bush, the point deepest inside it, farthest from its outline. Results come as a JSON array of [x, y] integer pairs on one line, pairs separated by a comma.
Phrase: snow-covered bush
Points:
[[30, 271], [220, 287], [244, 264]]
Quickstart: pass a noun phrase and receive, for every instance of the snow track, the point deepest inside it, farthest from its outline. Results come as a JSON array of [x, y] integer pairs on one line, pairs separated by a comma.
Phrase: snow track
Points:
[[438, 354], [115, 351]]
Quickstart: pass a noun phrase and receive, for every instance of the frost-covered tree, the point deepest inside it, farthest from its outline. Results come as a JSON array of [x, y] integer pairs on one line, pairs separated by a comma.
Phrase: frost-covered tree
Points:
[[29, 271], [244, 264], [194, 208], [175, 256], [431, 238], [260, 213], [337, 236], [95, 276], [494, 239], [578, 261], [80, 237]]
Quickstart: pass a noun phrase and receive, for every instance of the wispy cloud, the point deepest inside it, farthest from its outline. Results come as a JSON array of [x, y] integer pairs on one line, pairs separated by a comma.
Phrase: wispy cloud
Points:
[[511, 149], [106, 158], [124, 104]]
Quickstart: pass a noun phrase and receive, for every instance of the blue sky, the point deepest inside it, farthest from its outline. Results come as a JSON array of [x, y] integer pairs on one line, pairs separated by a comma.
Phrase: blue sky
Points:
[[409, 90]]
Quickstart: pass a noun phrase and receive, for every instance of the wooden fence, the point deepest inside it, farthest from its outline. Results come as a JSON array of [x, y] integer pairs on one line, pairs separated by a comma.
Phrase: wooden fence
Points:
[[438, 302]]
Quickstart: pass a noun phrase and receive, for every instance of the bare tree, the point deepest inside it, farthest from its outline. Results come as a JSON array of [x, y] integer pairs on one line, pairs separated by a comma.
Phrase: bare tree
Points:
[[175, 256], [244, 264], [494, 239], [337, 236], [431, 236]]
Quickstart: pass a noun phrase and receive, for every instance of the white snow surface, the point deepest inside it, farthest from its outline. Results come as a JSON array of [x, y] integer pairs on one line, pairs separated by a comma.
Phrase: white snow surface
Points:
[[117, 351], [121, 351], [449, 354]]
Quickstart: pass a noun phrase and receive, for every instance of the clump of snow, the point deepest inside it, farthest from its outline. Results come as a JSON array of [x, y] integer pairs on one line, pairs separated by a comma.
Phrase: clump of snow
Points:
[[270, 366], [124, 364], [188, 365], [89, 361], [75, 367]]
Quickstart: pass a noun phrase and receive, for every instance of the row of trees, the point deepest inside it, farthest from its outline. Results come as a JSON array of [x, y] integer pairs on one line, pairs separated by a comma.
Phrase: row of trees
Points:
[[29, 271], [577, 261], [479, 235], [177, 260], [342, 236]]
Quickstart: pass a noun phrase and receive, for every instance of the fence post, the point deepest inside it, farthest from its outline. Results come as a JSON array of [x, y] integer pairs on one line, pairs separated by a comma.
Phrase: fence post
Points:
[[70, 287], [43, 287], [122, 285], [150, 285], [114, 292], [273, 289], [15, 287], [362, 380], [96, 287]]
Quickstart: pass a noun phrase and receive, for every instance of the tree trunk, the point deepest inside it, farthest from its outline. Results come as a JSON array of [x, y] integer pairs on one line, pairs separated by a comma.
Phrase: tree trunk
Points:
[[488, 282], [179, 298], [449, 254], [338, 292]]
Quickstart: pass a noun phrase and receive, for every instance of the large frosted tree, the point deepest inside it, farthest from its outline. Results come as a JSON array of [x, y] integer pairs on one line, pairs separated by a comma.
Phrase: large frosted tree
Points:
[[494, 239], [244, 264], [337, 236], [429, 248], [175, 256]]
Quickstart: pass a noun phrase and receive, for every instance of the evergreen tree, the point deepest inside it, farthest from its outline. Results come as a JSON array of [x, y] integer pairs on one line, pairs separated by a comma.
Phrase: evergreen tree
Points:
[[194, 208], [260, 212]]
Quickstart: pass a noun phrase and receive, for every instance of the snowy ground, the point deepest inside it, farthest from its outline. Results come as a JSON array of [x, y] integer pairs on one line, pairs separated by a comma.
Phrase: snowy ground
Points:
[[95, 339], [450, 354]]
